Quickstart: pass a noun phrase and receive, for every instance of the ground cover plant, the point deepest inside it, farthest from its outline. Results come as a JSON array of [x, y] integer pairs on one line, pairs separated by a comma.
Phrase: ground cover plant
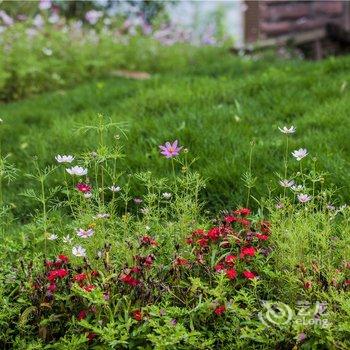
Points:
[[99, 268]]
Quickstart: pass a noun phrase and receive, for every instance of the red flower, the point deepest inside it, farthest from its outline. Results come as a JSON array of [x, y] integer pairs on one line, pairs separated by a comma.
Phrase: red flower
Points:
[[80, 277], [230, 259], [91, 336], [81, 315], [247, 251], [220, 310], [189, 240], [82, 187], [89, 288], [219, 267], [261, 237], [265, 226], [203, 242], [199, 232], [243, 221], [95, 273], [49, 263], [52, 287], [63, 258], [148, 260], [137, 315], [181, 261], [131, 281], [243, 211], [249, 275], [60, 273], [135, 269], [308, 285], [231, 274], [214, 233], [229, 219], [58, 263], [347, 282], [147, 240]]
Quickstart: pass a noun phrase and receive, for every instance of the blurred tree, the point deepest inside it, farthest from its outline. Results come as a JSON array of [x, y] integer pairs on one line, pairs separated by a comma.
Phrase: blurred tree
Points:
[[147, 9], [77, 9]]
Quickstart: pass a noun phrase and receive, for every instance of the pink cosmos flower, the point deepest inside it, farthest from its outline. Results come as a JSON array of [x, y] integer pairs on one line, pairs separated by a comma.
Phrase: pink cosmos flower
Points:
[[303, 198], [45, 4], [83, 187], [170, 150], [137, 200], [6, 19], [85, 233], [93, 16]]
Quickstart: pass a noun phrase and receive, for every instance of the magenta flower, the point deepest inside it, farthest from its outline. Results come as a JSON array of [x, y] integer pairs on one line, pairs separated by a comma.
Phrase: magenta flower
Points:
[[170, 150]]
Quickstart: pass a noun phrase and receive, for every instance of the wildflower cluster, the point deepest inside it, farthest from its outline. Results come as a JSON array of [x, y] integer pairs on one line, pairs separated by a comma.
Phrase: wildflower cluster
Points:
[[60, 276], [236, 243]]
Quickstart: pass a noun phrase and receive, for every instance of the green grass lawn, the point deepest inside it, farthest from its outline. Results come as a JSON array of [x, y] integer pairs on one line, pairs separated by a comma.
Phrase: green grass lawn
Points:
[[214, 104], [165, 273]]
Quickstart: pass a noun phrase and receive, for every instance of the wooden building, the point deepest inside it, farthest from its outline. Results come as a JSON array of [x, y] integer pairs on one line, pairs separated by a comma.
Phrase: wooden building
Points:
[[323, 26]]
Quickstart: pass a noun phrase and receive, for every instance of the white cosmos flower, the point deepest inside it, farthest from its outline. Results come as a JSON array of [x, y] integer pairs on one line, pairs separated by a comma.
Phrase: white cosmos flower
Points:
[[114, 188], [53, 237], [85, 233], [279, 205], [144, 211], [287, 130], [88, 195], [297, 188], [166, 195], [341, 208], [67, 239], [77, 170], [287, 183], [47, 51], [101, 216], [303, 198], [64, 159], [300, 153], [79, 251]]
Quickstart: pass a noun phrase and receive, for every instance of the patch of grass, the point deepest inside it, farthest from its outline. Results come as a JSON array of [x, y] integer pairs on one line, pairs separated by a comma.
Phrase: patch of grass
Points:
[[214, 104]]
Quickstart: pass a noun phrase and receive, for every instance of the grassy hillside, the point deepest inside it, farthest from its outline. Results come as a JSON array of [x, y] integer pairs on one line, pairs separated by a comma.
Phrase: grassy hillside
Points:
[[214, 104]]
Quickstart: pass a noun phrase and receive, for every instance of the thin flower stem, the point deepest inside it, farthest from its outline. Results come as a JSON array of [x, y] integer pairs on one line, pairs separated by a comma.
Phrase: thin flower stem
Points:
[[286, 164], [68, 193], [43, 201], [1, 176], [301, 172], [101, 135], [174, 174], [250, 174]]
